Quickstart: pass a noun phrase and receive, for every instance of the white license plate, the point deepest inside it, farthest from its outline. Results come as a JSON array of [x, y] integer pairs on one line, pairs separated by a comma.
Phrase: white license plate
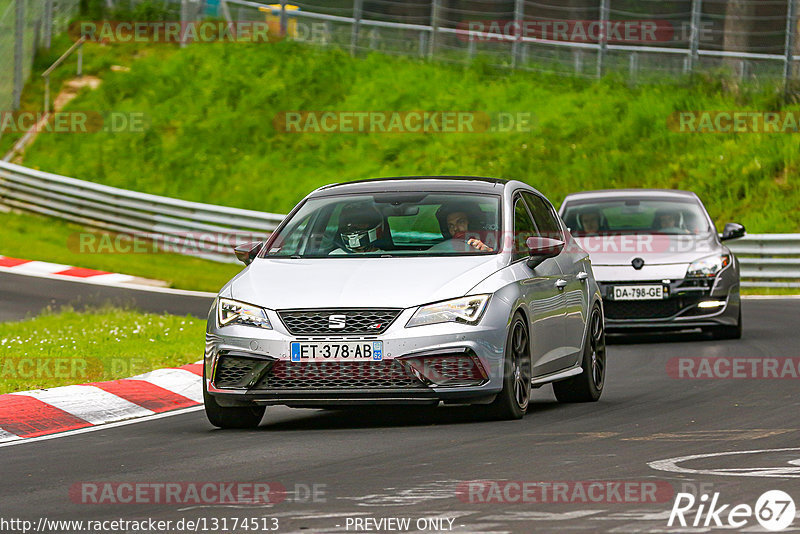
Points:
[[336, 350], [638, 292]]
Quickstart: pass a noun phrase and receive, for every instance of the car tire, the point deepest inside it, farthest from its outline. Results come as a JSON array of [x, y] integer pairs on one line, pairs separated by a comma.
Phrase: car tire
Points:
[[512, 402], [230, 417], [728, 331], [587, 386]]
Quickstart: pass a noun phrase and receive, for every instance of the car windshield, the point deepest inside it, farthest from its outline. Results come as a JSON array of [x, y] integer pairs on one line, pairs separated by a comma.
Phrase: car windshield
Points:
[[635, 215], [393, 224]]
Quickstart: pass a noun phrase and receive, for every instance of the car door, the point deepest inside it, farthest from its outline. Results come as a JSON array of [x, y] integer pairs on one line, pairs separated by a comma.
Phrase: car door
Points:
[[574, 264], [544, 299]]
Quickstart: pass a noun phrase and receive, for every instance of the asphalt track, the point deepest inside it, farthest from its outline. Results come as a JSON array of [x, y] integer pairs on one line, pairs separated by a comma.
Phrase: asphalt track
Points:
[[23, 296], [409, 463]]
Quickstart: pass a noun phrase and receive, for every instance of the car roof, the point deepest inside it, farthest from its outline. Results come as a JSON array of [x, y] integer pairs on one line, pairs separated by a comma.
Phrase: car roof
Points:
[[461, 184], [631, 193]]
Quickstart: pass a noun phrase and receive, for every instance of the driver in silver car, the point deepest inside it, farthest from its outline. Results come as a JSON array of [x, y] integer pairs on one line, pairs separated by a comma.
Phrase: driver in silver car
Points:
[[457, 221], [668, 221]]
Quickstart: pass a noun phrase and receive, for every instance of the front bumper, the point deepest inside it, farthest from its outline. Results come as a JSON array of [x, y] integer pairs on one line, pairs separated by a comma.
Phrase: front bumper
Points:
[[678, 310], [247, 365]]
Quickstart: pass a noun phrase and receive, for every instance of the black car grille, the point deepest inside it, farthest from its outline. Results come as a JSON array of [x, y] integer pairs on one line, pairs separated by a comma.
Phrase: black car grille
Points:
[[231, 370], [386, 374], [357, 322], [648, 309], [640, 309]]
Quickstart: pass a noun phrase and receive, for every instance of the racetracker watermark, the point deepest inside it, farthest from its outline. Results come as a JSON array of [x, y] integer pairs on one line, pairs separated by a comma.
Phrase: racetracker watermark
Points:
[[72, 122], [204, 493], [733, 367], [429, 122], [66, 368], [741, 121], [564, 492], [186, 243], [578, 31], [172, 32]]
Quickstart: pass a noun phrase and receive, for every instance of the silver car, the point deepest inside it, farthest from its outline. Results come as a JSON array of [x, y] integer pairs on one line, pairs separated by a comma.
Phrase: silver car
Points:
[[407, 291], [658, 260]]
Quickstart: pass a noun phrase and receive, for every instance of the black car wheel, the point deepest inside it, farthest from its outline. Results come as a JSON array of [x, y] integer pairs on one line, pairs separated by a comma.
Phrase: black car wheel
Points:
[[587, 386], [512, 401]]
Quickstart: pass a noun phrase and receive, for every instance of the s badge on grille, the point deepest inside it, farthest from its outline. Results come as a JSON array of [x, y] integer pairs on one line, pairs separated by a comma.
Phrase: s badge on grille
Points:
[[337, 322], [637, 263]]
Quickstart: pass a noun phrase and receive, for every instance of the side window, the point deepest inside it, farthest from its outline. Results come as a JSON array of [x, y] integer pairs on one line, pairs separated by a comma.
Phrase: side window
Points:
[[544, 216], [523, 229]]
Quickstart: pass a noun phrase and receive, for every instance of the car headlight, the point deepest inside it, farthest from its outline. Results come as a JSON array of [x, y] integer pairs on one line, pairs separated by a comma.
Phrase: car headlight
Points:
[[461, 310], [708, 266], [235, 312]]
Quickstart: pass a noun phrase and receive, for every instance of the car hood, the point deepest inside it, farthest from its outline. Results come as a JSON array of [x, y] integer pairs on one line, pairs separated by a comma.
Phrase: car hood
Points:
[[359, 282], [654, 249]]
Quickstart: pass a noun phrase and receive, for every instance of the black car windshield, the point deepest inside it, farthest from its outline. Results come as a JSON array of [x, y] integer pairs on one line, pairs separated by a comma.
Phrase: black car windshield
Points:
[[635, 215], [393, 224]]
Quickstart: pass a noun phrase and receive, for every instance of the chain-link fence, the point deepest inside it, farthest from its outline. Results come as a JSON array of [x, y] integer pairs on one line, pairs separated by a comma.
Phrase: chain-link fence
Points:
[[660, 39], [748, 39], [25, 26]]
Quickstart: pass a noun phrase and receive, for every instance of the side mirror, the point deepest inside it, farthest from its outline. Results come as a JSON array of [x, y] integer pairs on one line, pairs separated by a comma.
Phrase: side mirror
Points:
[[732, 231], [542, 248], [247, 252]]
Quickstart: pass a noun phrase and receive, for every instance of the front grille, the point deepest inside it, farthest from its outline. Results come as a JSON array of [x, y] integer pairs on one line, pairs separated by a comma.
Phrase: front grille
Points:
[[640, 309], [649, 309], [232, 369], [386, 374], [356, 322]]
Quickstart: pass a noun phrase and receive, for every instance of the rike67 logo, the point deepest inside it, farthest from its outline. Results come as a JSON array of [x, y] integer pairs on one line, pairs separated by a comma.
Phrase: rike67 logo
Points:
[[774, 510]]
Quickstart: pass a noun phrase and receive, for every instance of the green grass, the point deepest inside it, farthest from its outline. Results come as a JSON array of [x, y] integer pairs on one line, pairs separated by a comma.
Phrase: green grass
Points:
[[68, 347], [34, 237], [97, 61], [211, 139]]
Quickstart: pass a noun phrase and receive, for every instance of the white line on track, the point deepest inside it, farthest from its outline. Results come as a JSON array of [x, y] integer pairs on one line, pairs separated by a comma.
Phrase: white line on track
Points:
[[23, 441], [671, 465], [7, 436]]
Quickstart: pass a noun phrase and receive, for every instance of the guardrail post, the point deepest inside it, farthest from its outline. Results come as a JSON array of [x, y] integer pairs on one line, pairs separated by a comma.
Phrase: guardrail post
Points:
[[284, 19], [434, 27], [19, 52], [46, 94], [226, 13], [184, 17], [356, 21], [789, 45], [694, 35], [79, 71], [601, 52], [519, 14], [633, 67], [48, 24]]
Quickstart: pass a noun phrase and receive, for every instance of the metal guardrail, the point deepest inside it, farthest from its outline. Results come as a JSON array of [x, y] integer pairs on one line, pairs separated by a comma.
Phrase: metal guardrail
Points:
[[209, 231], [202, 230], [768, 260]]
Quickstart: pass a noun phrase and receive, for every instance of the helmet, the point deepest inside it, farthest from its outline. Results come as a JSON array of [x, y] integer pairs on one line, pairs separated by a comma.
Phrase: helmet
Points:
[[360, 225]]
